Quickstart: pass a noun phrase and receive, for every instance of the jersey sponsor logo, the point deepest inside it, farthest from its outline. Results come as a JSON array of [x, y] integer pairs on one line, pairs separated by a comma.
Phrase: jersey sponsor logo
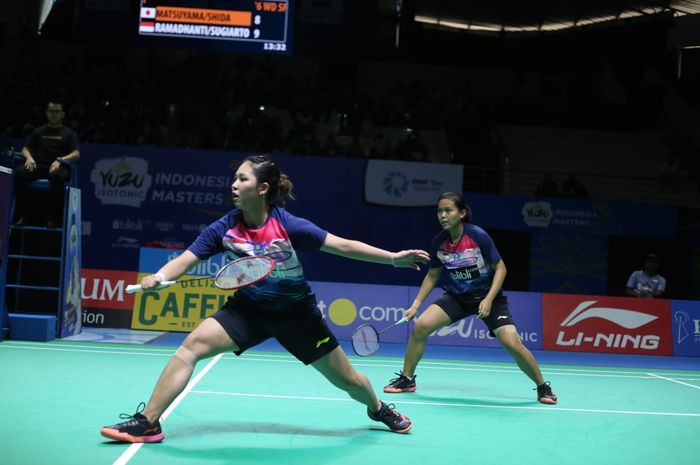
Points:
[[465, 274], [606, 324], [320, 342]]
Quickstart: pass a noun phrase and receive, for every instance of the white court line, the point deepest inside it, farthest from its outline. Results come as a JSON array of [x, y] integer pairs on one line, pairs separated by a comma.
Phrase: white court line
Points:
[[109, 352], [368, 362], [273, 358], [131, 451], [674, 380], [450, 404]]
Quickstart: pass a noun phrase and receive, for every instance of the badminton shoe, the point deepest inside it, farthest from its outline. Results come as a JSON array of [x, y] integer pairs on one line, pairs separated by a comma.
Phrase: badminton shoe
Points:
[[394, 420], [136, 428], [401, 384], [545, 394]]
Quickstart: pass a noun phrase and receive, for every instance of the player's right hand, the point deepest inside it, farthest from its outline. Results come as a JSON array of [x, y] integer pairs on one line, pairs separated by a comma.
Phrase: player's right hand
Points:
[[150, 281], [410, 313], [30, 164]]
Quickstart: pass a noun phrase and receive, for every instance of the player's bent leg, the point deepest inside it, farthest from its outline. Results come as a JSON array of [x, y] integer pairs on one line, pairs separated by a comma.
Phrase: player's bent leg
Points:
[[337, 369], [510, 340], [431, 319], [208, 339]]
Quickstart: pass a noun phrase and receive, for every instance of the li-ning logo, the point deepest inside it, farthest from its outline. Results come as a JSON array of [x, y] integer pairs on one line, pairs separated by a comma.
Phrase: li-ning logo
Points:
[[395, 184], [628, 319]]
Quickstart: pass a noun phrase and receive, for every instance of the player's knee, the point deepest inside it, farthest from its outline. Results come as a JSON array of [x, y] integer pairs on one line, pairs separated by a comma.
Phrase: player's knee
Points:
[[421, 330]]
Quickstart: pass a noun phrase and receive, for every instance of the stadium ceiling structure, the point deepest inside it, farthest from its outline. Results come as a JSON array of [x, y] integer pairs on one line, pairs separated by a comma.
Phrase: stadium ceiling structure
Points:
[[537, 16]]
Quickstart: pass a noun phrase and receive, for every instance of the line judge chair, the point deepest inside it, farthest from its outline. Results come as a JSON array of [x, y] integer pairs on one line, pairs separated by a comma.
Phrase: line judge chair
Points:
[[41, 184]]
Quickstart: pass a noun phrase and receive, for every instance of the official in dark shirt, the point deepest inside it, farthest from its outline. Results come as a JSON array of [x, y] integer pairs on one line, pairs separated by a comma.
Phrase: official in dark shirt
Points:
[[48, 154]]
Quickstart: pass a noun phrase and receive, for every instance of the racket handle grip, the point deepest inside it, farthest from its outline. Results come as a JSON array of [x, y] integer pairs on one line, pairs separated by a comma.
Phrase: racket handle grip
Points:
[[131, 288], [402, 320]]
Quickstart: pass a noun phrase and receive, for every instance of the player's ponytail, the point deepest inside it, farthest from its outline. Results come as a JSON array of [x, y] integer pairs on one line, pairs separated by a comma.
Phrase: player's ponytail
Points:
[[459, 202], [267, 171]]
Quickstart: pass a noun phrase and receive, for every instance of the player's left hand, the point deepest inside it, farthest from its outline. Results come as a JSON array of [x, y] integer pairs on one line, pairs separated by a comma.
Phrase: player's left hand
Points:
[[410, 258], [54, 166]]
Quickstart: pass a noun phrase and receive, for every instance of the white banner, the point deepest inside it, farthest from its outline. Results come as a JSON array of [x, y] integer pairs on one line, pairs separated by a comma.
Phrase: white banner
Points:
[[410, 184]]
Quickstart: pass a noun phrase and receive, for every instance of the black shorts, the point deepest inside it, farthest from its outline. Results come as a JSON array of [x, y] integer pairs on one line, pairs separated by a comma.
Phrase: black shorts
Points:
[[458, 307], [300, 328]]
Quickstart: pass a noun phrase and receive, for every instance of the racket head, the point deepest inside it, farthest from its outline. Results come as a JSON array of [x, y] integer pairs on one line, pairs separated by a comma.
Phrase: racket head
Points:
[[365, 340], [244, 271]]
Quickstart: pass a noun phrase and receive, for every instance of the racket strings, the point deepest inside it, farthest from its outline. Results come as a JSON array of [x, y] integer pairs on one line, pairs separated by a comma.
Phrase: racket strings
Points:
[[365, 340], [241, 272]]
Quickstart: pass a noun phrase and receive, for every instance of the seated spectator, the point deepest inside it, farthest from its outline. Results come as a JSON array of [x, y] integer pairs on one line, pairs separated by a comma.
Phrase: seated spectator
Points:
[[647, 283], [572, 188], [669, 176], [547, 187]]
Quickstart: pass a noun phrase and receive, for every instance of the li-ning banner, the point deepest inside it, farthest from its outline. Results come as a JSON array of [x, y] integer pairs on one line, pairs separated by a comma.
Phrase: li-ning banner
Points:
[[410, 184], [585, 323]]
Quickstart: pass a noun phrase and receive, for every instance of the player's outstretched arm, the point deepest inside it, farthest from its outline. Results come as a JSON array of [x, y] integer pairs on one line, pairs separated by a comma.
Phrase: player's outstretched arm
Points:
[[171, 270], [357, 250]]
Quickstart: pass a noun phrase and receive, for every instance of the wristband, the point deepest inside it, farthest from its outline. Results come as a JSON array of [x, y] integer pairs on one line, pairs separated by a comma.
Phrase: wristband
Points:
[[160, 276], [392, 261]]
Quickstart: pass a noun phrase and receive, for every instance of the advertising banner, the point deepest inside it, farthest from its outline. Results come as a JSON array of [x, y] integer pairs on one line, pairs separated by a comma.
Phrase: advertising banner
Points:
[[183, 305], [5, 207], [472, 332], [70, 311], [685, 317], [104, 299], [410, 184], [346, 306], [585, 323]]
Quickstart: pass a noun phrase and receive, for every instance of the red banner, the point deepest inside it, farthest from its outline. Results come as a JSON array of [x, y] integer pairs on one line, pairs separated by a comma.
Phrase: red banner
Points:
[[584, 323], [106, 289]]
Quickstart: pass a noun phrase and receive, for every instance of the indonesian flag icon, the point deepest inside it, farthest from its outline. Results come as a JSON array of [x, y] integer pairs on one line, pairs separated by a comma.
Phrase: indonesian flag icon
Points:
[[147, 26], [148, 13]]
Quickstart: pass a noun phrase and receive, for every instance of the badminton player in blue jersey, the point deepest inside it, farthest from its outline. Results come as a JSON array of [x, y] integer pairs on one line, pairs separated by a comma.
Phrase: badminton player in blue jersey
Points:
[[282, 305], [475, 274]]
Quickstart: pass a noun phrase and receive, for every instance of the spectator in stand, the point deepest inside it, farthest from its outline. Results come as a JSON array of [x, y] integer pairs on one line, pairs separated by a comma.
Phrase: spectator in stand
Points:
[[547, 187], [572, 188], [647, 283]]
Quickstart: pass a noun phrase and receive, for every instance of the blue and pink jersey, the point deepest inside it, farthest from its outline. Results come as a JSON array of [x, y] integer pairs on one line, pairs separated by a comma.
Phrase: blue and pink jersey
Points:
[[282, 232], [468, 262]]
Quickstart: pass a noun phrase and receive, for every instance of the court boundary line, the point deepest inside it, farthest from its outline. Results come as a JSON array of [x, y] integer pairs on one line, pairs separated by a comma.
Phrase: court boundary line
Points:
[[674, 380], [504, 367], [134, 448], [367, 361], [451, 404]]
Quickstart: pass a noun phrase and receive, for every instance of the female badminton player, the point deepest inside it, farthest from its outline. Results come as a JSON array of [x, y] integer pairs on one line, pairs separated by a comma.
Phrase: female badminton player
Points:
[[475, 274], [281, 306]]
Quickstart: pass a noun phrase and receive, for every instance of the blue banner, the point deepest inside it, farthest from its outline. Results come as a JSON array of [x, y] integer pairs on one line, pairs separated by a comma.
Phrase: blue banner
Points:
[[149, 196], [568, 263], [685, 321], [573, 215], [70, 311]]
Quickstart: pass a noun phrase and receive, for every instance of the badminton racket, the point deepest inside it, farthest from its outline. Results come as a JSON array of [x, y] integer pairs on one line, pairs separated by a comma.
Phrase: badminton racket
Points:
[[365, 339], [239, 273]]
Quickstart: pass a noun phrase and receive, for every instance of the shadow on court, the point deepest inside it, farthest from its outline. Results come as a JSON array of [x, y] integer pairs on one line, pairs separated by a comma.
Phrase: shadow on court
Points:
[[203, 429]]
